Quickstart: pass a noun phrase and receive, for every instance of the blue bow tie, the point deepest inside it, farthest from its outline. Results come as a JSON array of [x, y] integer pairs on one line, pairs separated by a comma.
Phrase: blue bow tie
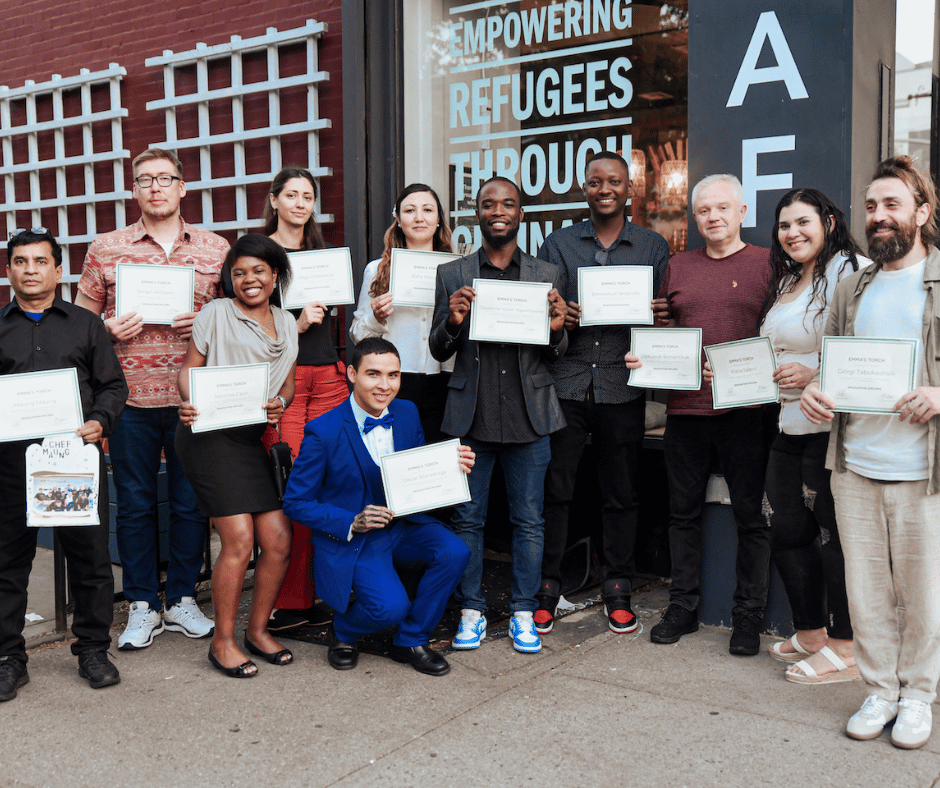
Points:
[[371, 424]]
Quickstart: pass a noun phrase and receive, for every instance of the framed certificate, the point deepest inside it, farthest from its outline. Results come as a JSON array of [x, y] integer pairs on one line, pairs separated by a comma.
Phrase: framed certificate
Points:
[[413, 276], [672, 358], [428, 477], [319, 275], [155, 292], [37, 404], [616, 295], [744, 372], [230, 396], [510, 312], [865, 374]]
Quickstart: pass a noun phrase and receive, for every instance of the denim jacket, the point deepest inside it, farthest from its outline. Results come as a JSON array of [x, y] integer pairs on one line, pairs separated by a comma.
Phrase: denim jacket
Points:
[[841, 323]]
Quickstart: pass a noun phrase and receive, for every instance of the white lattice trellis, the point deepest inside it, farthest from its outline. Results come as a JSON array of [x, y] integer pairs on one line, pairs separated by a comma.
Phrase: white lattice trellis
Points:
[[52, 94], [236, 92]]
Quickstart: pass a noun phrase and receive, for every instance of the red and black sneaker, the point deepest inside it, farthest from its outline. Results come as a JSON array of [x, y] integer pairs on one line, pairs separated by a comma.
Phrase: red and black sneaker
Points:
[[547, 597], [620, 616]]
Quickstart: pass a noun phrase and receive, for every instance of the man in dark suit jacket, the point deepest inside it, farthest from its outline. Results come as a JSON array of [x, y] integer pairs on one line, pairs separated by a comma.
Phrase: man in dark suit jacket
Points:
[[335, 489], [501, 397]]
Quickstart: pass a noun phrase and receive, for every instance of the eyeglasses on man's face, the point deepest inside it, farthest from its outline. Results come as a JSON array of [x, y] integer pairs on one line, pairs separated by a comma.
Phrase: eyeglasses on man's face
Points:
[[146, 181]]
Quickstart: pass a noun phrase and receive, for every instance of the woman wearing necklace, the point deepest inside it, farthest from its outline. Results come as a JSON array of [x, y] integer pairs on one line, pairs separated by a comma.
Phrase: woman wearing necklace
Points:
[[811, 250], [229, 469], [320, 383]]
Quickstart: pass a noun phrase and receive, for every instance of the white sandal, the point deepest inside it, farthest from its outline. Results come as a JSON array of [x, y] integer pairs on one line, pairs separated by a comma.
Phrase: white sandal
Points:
[[788, 656], [809, 676]]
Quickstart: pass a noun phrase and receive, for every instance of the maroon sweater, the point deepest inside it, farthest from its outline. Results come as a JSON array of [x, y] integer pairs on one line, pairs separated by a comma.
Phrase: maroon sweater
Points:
[[723, 298]]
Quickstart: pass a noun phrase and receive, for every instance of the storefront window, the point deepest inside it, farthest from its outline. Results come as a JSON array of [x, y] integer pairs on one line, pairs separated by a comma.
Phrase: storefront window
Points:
[[913, 87], [529, 89]]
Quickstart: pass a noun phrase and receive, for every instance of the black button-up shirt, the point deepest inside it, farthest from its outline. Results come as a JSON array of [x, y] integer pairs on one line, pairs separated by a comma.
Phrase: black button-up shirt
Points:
[[66, 336], [595, 353]]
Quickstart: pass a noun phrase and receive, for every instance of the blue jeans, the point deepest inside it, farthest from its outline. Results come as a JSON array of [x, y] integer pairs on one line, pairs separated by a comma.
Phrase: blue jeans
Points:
[[135, 447], [524, 466]]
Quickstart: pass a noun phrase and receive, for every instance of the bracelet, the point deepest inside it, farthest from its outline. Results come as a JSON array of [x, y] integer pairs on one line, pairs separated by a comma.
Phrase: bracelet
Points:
[[283, 401]]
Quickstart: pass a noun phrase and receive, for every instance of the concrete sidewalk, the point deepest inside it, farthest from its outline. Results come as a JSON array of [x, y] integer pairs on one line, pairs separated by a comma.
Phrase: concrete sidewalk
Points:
[[592, 709]]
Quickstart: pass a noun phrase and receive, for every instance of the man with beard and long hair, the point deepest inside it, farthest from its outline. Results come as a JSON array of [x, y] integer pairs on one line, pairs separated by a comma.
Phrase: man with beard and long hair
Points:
[[886, 468], [501, 401]]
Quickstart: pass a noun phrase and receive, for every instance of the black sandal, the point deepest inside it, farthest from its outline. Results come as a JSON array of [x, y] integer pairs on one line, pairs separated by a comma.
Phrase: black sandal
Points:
[[282, 657], [243, 671]]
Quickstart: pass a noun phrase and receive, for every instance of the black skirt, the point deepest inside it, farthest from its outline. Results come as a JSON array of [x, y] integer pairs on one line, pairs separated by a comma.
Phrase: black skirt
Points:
[[229, 470]]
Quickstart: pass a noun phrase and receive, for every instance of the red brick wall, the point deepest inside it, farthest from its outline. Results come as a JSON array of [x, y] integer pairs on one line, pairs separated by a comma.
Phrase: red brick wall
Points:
[[45, 37]]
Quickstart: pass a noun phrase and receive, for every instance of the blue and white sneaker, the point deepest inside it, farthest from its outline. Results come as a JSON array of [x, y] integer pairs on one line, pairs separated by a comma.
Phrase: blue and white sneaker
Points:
[[522, 630], [471, 631]]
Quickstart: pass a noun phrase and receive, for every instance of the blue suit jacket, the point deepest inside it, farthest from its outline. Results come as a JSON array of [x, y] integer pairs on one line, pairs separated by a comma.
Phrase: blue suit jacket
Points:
[[335, 478]]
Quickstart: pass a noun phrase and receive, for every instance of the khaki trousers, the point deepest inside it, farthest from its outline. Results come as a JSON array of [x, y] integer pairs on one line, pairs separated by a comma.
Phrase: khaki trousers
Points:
[[891, 540]]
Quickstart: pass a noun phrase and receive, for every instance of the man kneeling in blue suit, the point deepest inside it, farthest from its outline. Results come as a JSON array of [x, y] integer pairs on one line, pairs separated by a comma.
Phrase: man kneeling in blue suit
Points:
[[335, 489]]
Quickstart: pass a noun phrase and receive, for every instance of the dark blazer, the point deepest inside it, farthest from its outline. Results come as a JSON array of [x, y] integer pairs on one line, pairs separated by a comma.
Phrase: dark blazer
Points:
[[335, 478], [538, 385]]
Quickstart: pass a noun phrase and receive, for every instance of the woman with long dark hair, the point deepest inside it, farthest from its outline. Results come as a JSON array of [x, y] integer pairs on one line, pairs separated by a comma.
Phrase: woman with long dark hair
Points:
[[419, 223], [229, 469], [290, 220], [811, 250]]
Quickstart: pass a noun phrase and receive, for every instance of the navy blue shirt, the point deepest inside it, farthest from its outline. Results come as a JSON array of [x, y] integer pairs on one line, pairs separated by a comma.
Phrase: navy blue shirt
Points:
[[595, 353]]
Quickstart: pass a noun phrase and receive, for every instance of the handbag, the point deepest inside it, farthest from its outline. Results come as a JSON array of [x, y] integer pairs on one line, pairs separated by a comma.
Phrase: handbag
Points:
[[281, 464]]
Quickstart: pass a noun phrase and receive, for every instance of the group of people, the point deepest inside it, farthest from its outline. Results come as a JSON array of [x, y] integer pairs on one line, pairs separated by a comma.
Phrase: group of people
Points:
[[844, 505]]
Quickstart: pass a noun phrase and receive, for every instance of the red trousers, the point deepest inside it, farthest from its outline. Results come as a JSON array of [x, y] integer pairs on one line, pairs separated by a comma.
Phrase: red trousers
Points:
[[318, 389]]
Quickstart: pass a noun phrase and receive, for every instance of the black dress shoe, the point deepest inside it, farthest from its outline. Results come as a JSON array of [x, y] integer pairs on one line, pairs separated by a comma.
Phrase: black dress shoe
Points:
[[13, 675], [342, 656], [422, 659]]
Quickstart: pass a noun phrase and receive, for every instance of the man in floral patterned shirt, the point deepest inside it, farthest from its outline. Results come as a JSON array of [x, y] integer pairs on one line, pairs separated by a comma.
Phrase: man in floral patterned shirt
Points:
[[151, 356]]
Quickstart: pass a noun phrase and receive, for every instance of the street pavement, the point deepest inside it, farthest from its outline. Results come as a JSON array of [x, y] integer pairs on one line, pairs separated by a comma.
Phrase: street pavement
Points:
[[592, 709]]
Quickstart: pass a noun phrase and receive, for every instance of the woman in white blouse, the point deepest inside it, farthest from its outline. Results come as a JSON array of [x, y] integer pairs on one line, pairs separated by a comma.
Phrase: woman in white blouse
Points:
[[419, 224], [812, 249]]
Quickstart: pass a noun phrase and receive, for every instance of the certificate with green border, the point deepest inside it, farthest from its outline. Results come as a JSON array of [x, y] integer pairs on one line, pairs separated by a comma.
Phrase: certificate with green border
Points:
[[612, 295], [229, 396], [323, 275], [424, 478], [157, 293], [867, 374], [672, 358], [413, 276], [38, 404], [744, 373], [516, 312]]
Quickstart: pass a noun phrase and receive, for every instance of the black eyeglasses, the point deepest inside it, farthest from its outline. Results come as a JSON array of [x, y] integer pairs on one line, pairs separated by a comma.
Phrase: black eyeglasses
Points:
[[146, 181], [21, 230]]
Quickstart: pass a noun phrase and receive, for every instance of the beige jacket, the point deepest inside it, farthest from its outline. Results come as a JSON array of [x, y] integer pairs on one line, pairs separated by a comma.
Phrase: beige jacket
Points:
[[841, 323]]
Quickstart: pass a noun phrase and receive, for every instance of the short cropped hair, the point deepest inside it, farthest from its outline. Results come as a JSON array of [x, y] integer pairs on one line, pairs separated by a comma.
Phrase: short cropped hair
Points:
[[372, 345], [708, 180], [28, 237], [921, 186], [606, 154], [262, 247], [152, 154], [499, 179]]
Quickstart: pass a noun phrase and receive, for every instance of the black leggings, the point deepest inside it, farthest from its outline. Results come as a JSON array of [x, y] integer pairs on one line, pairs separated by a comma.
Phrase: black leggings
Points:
[[804, 534]]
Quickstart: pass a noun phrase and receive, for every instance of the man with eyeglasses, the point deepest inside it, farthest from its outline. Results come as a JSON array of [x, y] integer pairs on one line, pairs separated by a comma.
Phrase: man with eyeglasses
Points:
[[151, 356], [39, 331], [591, 381]]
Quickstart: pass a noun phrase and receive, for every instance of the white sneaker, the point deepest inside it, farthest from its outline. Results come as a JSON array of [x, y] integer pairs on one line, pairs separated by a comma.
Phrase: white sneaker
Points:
[[870, 720], [186, 617], [912, 727], [472, 629], [143, 625], [524, 636]]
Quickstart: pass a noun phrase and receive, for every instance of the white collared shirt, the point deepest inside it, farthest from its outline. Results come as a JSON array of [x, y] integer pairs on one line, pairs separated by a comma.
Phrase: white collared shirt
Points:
[[380, 440]]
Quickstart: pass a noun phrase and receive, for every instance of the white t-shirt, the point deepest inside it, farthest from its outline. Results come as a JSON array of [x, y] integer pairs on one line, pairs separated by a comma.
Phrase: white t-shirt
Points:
[[882, 446], [796, 330]]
